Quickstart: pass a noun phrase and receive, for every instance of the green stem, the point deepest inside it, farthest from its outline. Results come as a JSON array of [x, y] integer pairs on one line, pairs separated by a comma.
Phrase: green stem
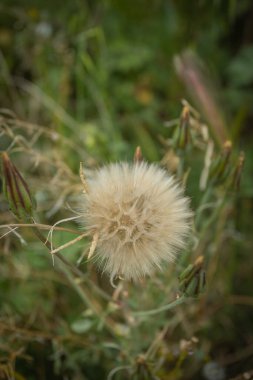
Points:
[[205, 198], [78, 289], [161, 309], [68, 269], [41, 237], [214, 215], [75, 270], [64, 268], [181, 164]]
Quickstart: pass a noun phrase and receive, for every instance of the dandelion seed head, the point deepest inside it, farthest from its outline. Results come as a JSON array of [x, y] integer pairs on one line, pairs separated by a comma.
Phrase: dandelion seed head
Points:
[[140, 215]]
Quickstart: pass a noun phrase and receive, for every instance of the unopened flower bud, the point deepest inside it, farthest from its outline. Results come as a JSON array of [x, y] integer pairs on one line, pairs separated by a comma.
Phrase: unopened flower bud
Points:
[[237, 174], [220, 167], [16, 190], [138, 155], [192, 280], [182, 133], [142, 370]]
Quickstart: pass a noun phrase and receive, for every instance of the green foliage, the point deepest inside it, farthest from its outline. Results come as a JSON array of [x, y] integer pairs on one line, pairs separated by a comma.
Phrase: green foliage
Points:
[[90, 81]]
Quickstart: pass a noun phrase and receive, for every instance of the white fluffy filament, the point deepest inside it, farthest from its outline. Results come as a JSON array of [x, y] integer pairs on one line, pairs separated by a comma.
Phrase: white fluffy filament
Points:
[[139, 214]]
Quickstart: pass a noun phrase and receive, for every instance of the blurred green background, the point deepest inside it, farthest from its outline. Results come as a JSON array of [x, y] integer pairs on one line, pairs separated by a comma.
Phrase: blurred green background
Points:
[[89, 81], [108, 65]]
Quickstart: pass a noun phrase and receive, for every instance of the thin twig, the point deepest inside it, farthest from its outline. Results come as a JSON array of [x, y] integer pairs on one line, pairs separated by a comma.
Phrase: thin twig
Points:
[[94, 306], [93, 245], [69, 243], [169, 306], [40, 226]]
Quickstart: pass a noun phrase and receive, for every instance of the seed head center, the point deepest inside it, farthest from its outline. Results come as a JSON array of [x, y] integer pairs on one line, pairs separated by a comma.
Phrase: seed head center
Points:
[[126, 221]]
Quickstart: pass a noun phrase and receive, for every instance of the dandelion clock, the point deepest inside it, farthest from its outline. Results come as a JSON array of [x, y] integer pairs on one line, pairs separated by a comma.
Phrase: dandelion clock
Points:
[[139, 216]]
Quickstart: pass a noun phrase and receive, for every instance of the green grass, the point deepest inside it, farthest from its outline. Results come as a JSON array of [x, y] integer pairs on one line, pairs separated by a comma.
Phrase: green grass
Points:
[[89, 82]]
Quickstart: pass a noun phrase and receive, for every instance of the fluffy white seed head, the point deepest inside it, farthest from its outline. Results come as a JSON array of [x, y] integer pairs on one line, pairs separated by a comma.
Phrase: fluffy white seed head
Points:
[[140, 215]]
